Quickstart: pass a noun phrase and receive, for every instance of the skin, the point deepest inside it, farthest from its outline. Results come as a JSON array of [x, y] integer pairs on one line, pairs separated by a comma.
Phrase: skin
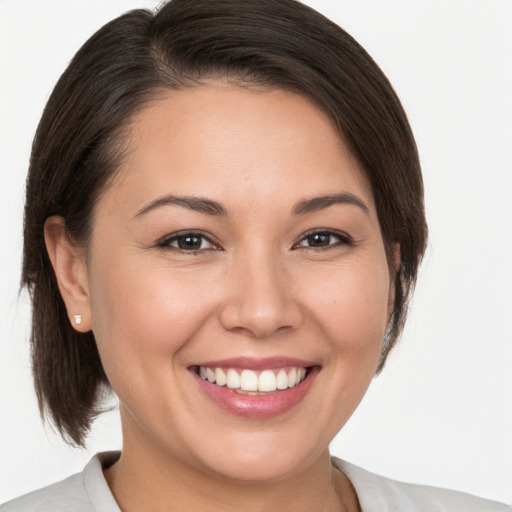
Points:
[[260, 289]]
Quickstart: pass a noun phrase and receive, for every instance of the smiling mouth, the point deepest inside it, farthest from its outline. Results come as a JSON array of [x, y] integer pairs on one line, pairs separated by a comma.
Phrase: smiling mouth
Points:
[[256, 388], [251, 382]]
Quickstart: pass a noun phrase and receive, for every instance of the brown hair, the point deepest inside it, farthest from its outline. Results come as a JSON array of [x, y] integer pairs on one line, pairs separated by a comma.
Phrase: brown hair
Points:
[[78, 148]]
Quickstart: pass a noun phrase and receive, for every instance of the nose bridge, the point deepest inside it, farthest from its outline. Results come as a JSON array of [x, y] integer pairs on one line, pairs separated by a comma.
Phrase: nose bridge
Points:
[[260, 302]]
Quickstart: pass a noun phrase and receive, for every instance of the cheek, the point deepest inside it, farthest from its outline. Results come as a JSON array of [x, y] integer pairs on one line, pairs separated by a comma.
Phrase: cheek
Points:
[[352, 305], [143, 316]]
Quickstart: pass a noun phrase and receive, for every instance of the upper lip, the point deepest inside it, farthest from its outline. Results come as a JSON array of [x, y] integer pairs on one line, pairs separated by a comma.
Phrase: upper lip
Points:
[[252, 363]]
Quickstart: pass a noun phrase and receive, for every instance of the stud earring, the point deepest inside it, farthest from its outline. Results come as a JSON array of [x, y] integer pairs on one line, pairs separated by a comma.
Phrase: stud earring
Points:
[[78, 319]]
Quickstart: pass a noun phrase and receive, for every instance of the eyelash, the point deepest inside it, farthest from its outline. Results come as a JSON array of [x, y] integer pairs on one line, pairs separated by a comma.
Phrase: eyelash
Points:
[[342, 239], [167, 242]]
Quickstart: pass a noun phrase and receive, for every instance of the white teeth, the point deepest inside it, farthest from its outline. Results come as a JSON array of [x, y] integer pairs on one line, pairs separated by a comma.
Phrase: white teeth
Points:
[[220, 377], [233, 379], [210, 375], [282, 380], [267, 381], [248, 380], [292, 377]]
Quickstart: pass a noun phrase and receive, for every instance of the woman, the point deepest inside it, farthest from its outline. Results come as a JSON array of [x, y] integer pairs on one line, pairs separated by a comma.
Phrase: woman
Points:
[[224, 222]]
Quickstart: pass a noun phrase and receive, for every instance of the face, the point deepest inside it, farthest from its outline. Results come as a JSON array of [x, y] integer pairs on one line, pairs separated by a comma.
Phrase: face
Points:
[[238, 285]]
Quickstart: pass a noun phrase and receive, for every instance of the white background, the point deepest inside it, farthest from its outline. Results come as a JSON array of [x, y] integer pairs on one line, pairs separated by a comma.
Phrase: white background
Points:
[[441, 413]]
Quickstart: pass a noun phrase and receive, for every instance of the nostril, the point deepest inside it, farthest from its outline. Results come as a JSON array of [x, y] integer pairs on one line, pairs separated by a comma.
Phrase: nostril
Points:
[[260, 320]]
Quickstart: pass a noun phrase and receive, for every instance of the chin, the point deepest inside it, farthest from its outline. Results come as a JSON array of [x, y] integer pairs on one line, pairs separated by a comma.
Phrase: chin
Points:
[[258, 459]]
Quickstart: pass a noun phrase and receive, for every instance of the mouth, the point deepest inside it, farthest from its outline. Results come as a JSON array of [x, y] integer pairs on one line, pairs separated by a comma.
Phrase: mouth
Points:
[[253, 382], [256, 389]]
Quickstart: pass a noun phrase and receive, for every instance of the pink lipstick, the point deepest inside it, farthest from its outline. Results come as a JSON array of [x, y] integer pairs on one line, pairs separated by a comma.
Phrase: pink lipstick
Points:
[[256, 388]]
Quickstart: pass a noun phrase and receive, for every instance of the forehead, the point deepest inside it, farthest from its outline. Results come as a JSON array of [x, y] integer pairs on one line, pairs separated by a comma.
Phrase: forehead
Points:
[[227, 141]]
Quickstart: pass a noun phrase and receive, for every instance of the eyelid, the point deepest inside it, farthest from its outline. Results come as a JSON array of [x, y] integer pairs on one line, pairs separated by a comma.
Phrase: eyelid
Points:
[[343, 238], [165, 242]]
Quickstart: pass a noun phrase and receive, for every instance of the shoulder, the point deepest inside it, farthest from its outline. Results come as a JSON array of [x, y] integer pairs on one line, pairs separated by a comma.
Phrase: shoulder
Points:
[[69, 493], [84, 492], [380, 494]]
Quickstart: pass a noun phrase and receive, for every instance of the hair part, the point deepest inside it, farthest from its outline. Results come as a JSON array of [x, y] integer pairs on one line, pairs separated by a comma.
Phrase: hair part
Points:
[[79, 146]]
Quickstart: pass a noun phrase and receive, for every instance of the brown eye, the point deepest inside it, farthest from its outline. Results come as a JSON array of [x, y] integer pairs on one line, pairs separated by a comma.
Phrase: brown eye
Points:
[[324, 240], [187, 242], [319, 240]]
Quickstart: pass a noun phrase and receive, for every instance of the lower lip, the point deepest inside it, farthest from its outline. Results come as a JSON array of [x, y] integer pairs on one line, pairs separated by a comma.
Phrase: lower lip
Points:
[[258, 406]]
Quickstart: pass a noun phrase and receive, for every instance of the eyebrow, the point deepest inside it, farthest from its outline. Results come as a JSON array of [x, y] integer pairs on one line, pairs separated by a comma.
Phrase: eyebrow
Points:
[[322, 202], [210, 207], [198, 204]]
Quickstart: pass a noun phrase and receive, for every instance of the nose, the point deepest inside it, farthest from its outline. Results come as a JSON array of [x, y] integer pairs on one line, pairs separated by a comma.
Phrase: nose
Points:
[[260, 301]]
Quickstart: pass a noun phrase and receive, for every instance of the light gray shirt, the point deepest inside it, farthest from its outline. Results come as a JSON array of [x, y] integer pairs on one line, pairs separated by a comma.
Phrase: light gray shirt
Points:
[[88, 491]]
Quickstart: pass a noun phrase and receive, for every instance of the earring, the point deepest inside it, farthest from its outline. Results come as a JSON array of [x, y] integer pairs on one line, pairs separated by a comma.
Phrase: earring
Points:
[[78, 319]]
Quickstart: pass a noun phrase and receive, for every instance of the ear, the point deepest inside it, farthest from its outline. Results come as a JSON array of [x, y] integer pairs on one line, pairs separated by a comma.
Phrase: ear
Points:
[[70, 269], [396, 261]]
